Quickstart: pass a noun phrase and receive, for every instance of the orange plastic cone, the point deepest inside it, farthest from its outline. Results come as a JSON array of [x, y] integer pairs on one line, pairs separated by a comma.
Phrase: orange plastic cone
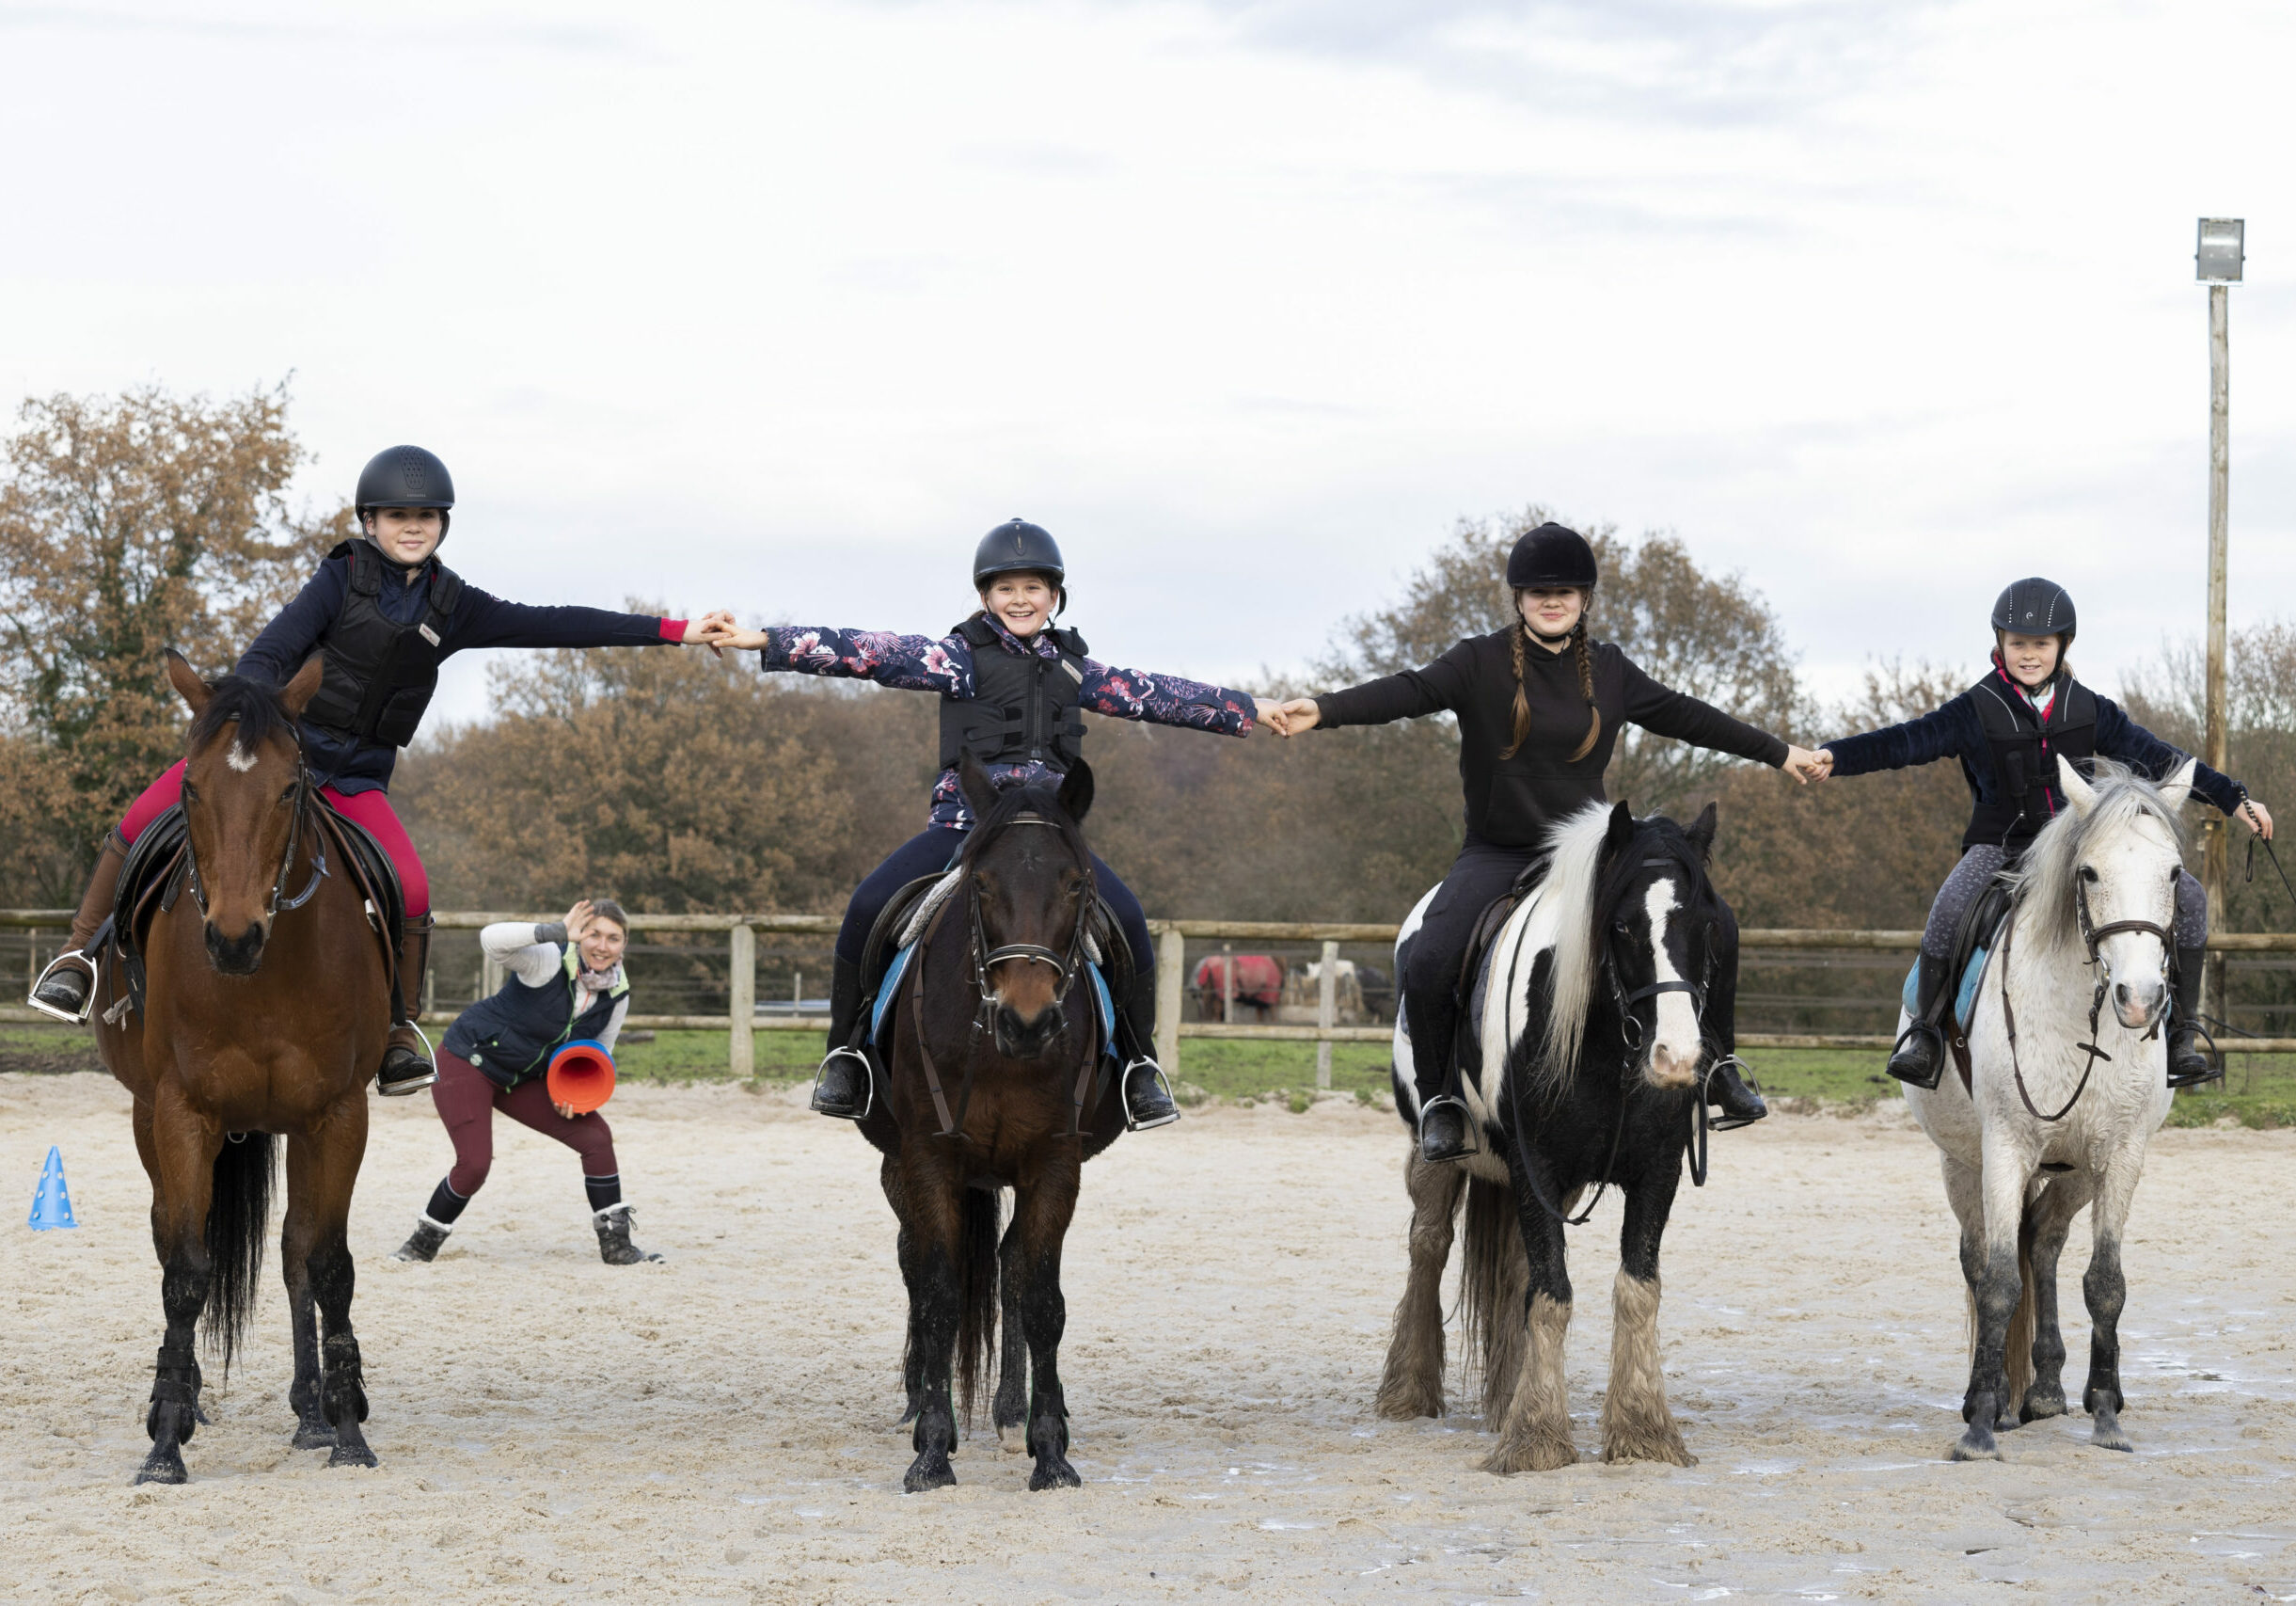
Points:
[[581, 1076]]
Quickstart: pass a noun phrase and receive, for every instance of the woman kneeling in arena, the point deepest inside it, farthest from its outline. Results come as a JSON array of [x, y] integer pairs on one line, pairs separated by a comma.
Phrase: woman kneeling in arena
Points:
[[565, 985]]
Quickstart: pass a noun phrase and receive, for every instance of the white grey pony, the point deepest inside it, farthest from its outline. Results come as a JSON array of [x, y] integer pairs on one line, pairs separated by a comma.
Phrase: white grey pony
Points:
[[2047, 1125]]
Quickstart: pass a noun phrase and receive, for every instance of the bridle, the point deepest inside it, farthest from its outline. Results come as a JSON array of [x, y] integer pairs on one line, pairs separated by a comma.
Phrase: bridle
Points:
[[1630, 1034], [300, 793], [980, 957], [2092, 935]]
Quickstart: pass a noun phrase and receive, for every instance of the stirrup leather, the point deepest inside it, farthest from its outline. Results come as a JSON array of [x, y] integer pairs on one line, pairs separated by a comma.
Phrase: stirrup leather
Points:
[[95, 980], [1124, 1088], [868, 1081]]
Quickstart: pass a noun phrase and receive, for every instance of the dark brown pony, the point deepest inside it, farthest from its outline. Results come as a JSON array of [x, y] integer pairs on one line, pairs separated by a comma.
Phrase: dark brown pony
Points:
[[995, 1083], [242, 1038]]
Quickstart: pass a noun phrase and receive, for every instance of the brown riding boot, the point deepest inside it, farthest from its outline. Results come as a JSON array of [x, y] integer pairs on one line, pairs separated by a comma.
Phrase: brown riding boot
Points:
[[67, 987], [406, 1060]]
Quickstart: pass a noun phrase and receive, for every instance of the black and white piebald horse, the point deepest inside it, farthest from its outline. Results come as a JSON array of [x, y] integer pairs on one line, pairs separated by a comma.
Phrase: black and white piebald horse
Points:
[[2068, 1082], [1607, 996]]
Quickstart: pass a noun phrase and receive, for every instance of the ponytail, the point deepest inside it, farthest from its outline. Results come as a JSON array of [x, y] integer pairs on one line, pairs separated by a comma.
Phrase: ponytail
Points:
[[1583, 656]]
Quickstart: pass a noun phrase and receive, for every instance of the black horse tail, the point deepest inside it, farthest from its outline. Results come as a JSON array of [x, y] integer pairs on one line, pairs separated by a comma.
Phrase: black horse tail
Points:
[[976, 1292], [238, 1217], [1492, 1280]]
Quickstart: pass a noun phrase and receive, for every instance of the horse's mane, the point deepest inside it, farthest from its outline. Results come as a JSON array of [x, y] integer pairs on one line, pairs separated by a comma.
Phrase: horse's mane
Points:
[[256, 705], [1586, 892], [2047, 878]]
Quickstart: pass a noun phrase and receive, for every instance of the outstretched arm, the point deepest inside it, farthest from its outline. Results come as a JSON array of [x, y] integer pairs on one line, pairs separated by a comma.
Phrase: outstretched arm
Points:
[[485, 620], [1170, 700], [2120, 736], [908, 663], [1664, 711], [1951, 732]]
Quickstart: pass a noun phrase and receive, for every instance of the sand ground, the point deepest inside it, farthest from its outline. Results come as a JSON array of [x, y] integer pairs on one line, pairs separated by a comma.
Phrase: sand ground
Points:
[[721, 1427]]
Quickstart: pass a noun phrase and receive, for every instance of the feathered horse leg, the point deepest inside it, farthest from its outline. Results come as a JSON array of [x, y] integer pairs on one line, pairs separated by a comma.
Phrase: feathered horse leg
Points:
[[1412, 1383]]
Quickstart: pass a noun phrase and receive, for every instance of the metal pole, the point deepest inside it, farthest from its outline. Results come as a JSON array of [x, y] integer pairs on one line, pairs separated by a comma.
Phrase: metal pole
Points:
[[1326, 1013], [1171, 976], [2215, 855], [741, 984]]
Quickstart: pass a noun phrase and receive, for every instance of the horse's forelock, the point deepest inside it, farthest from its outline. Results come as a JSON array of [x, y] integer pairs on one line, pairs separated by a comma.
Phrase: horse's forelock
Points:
[[2048, 874], [1012, 804], [253, 705]]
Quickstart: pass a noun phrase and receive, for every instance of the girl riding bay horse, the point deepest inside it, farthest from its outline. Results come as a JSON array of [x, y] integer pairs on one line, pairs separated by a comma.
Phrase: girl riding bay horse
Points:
[[1540, 706], [382, 612], [1010, 684]]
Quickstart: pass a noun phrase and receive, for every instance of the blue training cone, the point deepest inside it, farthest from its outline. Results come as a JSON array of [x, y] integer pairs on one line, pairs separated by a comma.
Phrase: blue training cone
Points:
[[52, 1204]]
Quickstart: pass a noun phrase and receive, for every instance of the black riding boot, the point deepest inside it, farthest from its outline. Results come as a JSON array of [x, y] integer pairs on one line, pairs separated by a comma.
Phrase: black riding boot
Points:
[[1736, 1098], [614, 1246], [1919, 1057], [67, 988], [1148, 1095], [2187, 1066], [842, 1087], [407, 1058]]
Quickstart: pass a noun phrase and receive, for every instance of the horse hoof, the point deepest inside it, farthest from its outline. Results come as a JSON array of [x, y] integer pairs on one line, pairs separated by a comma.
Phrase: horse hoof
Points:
[[1408, 1405], [1013, 1436], [2105, 1431], [1053, 1472], [353, 1456], [162, 1469], [1535, 1455], [2039, 1407], [929, 1471], [314, 1436], [1977, 1445]]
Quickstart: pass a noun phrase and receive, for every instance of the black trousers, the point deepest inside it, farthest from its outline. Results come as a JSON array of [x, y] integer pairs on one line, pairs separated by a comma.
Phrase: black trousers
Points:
[[1477, 877]]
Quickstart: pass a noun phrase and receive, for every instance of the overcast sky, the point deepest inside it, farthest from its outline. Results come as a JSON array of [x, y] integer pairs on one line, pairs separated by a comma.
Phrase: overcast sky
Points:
[[780, 306]]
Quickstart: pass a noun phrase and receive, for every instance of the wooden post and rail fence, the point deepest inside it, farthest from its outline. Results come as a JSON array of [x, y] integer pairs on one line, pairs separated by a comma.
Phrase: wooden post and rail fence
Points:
[[1172, 978]]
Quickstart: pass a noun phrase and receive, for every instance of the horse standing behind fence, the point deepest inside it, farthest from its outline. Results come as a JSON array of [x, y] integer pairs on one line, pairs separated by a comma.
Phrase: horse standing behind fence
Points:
[[2063, 1096], [1611, 990], [240, 1038], [996, 1079]]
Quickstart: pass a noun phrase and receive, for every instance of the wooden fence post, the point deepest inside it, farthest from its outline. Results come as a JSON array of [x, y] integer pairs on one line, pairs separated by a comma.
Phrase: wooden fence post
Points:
[[1326, 1014], [1171, 977], [742, 988]]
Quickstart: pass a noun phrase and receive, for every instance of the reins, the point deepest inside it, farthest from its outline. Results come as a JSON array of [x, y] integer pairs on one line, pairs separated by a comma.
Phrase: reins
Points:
[[1630, 1035], [1066, 966], [2092, 936], [279, 901]]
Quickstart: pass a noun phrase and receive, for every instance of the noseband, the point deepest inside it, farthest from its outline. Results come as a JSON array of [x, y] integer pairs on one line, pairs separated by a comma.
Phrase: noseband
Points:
[[301, 805], [2092, 936], [981, 958]]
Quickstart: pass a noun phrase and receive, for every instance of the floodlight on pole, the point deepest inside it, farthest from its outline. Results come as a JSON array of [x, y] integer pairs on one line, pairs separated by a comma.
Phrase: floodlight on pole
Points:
[[2217, 262]]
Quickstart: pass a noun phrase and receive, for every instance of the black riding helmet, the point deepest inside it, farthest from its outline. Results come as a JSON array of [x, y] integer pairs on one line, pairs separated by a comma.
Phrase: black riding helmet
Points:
[[1551, 558], [1018, 546], [2037, 607], [405, 476]]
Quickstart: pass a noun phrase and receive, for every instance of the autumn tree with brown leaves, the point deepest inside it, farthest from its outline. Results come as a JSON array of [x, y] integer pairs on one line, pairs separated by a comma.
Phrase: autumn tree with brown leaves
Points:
[[128, 525]]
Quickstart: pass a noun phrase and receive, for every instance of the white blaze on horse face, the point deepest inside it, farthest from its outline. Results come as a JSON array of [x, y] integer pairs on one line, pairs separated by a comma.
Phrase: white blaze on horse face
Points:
[[1675, 1045], [2134, 883]]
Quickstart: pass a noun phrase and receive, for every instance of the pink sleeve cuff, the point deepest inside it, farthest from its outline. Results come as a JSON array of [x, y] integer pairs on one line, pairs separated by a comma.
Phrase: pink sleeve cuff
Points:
[[673, 630]]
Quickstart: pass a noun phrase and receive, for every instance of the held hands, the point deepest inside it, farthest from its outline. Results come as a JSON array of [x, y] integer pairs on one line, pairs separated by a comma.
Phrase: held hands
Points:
[[2256, 818], [1806, 766], [723, 632], [1289, 719], [709, 631]]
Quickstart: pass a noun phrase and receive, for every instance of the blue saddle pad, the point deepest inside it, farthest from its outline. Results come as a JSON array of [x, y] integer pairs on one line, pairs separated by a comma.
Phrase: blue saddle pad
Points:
[[1965, 995], [1102, 1003]]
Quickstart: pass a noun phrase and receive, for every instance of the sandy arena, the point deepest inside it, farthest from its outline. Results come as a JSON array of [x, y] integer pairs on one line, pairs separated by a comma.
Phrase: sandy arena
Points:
[[721, 1427]]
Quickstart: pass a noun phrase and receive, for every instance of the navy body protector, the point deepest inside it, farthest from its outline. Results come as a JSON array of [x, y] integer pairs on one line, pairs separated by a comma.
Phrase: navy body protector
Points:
[[1024, 707], [380, 673], [2025, 751]]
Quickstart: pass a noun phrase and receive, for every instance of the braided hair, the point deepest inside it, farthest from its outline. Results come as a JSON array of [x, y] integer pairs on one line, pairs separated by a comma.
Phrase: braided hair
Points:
[[1582, 654]]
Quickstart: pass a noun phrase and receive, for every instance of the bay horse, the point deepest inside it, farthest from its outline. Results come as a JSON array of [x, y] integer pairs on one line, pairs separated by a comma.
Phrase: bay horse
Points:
[[2064, 1095], [265, 1012], [995, 1080], [1610, 995]]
